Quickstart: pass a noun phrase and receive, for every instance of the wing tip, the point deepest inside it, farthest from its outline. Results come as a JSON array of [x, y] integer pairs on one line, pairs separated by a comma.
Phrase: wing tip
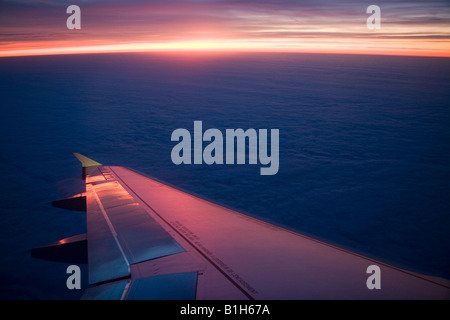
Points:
[[88, 164], [85, 161]]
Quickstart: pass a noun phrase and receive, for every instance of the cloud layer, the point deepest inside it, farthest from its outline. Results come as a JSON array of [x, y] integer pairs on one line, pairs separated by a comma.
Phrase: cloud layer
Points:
[[408, 27]]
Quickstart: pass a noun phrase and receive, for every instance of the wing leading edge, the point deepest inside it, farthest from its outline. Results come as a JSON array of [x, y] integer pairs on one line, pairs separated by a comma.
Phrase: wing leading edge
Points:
[[147, 240]]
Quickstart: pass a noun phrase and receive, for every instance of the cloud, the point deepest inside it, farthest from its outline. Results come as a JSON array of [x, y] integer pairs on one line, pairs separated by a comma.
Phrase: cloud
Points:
[[138, 21]]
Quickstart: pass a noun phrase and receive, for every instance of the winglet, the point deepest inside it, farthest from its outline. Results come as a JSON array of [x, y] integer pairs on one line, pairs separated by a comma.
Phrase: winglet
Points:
[[89, 165], [85, 161]]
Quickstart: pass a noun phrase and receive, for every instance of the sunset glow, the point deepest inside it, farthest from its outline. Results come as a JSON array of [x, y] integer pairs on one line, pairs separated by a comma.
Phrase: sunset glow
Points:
[[419, 28]]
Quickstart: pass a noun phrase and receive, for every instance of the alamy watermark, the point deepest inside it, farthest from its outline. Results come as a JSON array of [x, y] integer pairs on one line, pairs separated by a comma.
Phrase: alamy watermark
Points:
[[74, 280], [374, 280], [74, 20], [374, 21], [234, 144]]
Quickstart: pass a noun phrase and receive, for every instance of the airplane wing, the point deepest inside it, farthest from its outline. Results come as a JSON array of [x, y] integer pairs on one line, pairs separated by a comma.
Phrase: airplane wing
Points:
[[148, 240]]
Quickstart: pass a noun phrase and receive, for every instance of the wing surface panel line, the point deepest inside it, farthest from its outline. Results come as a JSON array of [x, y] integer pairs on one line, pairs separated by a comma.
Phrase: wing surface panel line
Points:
[[111, 227]]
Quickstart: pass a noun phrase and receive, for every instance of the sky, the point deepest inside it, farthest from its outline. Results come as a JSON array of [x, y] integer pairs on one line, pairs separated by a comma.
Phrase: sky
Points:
[[35, 27]]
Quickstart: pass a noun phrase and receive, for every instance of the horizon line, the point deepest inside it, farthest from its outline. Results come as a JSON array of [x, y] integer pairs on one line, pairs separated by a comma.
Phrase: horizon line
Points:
[[194, 47]]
